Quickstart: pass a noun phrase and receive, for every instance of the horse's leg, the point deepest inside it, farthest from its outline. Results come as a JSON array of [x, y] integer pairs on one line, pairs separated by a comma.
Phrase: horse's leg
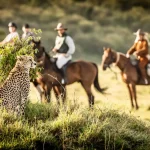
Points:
[[130, 94], [40, 91], [133, 89], [47, 89], [63, 93], [57, 94], [60, 92], [87, 88]]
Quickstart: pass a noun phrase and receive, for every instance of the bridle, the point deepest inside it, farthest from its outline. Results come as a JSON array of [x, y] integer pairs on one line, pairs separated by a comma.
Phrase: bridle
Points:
[[115, 60]]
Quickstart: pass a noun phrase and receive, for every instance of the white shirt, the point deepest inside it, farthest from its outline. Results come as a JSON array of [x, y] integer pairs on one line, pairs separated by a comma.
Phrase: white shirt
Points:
[[11, 36], [69, 41]]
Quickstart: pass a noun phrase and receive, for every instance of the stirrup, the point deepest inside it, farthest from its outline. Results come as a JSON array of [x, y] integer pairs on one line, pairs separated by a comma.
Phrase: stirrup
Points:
[[146, 81], [62, 81]]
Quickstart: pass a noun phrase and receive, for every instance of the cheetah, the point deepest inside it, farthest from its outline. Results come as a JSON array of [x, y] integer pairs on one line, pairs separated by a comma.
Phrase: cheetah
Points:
[[15, 89]]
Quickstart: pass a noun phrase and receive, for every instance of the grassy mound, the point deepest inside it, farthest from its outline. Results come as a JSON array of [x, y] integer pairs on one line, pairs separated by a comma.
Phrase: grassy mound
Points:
[[73, 127]]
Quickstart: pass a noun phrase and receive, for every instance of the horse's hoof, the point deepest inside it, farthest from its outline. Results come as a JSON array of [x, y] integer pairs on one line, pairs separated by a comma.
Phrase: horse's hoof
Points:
[[137, 107]]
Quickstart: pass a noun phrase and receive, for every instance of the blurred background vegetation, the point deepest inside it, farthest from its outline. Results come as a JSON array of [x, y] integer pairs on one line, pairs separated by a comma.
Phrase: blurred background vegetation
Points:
[[93, 24]]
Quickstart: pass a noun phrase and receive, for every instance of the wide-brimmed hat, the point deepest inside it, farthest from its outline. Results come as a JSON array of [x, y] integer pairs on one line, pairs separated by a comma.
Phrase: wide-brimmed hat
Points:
[[60, 26], [139, 32], [12, 24]]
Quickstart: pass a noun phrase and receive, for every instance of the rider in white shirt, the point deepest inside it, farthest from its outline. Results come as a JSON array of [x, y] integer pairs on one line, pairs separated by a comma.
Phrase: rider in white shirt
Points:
[[65, 47], [13, 34]]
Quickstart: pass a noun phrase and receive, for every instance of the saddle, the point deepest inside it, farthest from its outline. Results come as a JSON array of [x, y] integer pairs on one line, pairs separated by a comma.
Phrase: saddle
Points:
[[53, 60], [62, 71], [135, 63], [67, 64]]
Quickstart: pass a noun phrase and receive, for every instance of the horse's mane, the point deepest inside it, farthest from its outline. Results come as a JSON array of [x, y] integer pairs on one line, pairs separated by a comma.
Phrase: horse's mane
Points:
[[47, 55], [118, 52], [122, 54]]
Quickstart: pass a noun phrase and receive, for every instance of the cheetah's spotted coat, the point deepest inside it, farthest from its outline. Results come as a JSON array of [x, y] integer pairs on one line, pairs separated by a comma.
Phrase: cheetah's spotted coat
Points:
[[15, 90]]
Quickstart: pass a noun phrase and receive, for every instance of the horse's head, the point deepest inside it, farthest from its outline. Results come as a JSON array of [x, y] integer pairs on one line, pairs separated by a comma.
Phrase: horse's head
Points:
[[108, 58], [36, 44], [40, 49]]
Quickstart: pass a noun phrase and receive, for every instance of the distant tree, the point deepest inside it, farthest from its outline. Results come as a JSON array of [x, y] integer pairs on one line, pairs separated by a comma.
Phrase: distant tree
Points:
[[126, 4]]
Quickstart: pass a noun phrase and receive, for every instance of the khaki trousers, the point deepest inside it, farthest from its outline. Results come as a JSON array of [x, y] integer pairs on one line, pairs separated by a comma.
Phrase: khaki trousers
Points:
[[143, 61]]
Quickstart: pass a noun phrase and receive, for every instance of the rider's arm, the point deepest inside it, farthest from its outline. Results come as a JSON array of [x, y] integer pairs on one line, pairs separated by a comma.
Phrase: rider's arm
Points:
[[10, 38], [144, 50], [71, 45], [132, 49], [4, 41], [57, 46]]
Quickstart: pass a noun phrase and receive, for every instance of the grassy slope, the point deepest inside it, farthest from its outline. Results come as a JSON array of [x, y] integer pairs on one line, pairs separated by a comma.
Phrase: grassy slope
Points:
[[73, 127]]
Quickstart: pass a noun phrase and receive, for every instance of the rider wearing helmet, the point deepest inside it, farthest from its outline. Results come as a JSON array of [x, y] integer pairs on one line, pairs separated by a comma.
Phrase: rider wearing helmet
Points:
[[27, 32]]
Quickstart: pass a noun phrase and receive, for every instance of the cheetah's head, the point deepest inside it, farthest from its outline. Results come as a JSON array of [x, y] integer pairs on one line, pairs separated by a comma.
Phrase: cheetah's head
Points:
[[26, 61]]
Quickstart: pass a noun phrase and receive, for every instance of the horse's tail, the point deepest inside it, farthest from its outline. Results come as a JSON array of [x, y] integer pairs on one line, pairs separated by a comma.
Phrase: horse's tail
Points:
[[96, 83]]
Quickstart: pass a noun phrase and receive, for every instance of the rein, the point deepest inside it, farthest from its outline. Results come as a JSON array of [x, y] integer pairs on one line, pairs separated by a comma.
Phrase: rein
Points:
[[113, 72], [116, 63], [117, 60]]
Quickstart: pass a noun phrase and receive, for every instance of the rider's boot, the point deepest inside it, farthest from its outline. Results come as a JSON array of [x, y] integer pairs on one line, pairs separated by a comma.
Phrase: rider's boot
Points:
[[143, 72], [64, 78], [144, 76]]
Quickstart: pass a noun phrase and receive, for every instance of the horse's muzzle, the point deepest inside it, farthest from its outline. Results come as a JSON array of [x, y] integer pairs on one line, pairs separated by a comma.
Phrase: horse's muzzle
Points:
[[104, 66]]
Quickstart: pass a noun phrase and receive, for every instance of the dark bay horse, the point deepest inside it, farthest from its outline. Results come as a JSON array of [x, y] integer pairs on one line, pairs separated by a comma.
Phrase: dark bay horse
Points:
[[45, 89], [129, 73], [79, 71]]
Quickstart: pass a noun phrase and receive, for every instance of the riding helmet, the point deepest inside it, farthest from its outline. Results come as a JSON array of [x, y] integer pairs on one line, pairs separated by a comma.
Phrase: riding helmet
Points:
[[12, 24]]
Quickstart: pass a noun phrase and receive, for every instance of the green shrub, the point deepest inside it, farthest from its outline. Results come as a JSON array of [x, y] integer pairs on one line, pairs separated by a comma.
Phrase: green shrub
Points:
[[9, 53]]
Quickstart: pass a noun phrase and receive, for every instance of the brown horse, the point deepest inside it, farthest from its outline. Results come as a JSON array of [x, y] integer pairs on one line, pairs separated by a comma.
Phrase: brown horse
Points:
[[130, 74], [44, 89], [80, 71]]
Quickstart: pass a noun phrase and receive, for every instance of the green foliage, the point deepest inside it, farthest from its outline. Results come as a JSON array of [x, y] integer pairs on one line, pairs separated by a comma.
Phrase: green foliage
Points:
[[92, 26], [123, 4], [9, 53]]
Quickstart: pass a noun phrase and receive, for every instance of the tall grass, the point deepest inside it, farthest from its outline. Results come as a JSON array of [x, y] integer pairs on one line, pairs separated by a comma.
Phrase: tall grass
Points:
[[47, 126]]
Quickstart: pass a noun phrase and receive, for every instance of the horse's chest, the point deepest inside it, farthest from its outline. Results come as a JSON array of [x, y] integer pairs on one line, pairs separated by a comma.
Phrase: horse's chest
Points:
[[124, 76]]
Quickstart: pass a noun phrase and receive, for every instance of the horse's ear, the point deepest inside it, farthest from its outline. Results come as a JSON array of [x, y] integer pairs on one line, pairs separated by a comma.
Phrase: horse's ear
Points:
[[109, 49], [104, 48], [39, 41]]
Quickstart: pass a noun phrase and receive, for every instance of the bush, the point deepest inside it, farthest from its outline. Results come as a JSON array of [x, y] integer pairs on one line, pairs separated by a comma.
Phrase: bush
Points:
[[9, 53]]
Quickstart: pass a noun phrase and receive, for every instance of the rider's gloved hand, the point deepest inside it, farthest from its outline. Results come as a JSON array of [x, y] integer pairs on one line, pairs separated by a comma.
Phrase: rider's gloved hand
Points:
[[54, 50], [67, 55], [127, 55], [135, 53]]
